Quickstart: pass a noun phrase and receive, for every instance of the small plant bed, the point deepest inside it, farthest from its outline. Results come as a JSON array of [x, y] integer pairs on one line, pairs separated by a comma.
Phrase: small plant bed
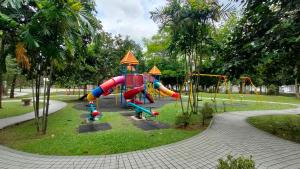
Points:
[[284, 126], [14, 108], [238, 162]]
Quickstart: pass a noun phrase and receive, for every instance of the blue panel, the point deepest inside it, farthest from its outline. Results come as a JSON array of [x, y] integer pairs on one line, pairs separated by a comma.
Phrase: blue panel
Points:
[[97, 92]]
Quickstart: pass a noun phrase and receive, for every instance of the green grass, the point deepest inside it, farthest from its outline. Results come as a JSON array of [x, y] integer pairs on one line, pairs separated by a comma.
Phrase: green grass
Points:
[[283, 99], [66, 98], [62, 137], [229, 106], [14, 109], [246, 106], [284, 126]]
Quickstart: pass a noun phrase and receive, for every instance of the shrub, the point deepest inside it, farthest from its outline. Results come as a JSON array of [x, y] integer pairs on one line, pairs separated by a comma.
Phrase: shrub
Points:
[[293, 128], [206, 112], [182, 120], [272, 90], [236, 163]]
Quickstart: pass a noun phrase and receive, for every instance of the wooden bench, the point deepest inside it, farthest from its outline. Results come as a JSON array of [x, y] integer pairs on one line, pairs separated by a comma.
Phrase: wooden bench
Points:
[[26, 101]]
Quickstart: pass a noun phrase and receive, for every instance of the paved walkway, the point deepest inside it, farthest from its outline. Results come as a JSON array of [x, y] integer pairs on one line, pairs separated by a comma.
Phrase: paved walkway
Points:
[[228, 134], [53, 107], [17, 94]]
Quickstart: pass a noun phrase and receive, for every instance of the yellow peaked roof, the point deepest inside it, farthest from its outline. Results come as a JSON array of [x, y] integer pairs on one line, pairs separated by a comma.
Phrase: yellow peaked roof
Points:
[[129, 59], [155, 71]]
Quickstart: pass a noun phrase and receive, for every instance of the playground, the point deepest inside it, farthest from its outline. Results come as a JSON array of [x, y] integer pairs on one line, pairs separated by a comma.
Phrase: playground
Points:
[[63, 139], [135, 112], [149, 84]]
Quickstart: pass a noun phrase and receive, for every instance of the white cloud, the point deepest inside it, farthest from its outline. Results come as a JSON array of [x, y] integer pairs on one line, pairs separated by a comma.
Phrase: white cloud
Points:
[[128, 17], [131, 17]]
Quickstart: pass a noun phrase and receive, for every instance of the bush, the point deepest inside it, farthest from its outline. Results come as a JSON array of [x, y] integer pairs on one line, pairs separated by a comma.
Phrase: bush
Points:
[[236, 163], [206, 112], [272, 90], [182, 120]]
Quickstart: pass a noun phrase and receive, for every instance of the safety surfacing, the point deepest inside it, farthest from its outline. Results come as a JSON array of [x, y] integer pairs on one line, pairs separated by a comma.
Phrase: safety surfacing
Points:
[[94, 127]]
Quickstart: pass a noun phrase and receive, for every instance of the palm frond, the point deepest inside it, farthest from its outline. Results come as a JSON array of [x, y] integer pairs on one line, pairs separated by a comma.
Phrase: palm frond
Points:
[[29, 39], [21, 56], [7, 22], [15, 4]]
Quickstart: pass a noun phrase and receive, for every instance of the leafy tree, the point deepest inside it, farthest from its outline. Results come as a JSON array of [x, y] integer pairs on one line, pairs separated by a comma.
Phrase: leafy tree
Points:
[[190, 23], [157, 53], [13, 15], [102, 55], [265, 43], [49, 33]]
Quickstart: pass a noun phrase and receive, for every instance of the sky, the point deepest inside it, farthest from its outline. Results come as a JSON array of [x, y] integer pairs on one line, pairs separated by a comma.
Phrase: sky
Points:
[[129, 17]]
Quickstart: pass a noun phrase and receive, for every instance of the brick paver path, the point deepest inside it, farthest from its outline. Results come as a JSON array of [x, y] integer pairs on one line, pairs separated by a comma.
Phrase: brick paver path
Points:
[[54, 106], [229, 134]]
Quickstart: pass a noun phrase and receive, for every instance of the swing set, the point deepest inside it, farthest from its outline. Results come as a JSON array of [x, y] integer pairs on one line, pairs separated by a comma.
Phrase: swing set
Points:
[[245, 80], [222, 80]]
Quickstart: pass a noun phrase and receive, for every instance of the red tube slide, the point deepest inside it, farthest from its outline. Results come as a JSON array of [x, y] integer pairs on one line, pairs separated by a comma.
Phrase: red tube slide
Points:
[[105, 87], [131, 93]]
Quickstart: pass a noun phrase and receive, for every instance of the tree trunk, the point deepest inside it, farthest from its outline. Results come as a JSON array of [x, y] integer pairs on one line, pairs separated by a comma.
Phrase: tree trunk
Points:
[[260, 90], [36, 115], [1, 88], [13, 85], [44, 100], [297, 88], [79, 91], [241, 88], [85, 89], [2, 67], [45, 125]]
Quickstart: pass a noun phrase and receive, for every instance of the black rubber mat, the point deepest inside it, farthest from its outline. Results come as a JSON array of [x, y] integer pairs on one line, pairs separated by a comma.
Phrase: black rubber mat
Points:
[[94, 127], [147, 125]]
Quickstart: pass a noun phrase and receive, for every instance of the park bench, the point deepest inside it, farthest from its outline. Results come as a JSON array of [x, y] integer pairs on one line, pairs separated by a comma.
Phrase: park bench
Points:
[[26, 101]]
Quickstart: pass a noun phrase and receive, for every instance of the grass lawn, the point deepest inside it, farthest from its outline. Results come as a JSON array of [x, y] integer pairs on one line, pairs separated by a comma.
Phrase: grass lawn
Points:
[[283, 99], [65, 98], [284, 126], [13, 109], [62, 137], [229, 106]]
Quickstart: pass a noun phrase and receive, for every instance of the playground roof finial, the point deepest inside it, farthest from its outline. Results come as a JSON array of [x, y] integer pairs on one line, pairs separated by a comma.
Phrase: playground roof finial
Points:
[[155, 71], [129, 59]]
